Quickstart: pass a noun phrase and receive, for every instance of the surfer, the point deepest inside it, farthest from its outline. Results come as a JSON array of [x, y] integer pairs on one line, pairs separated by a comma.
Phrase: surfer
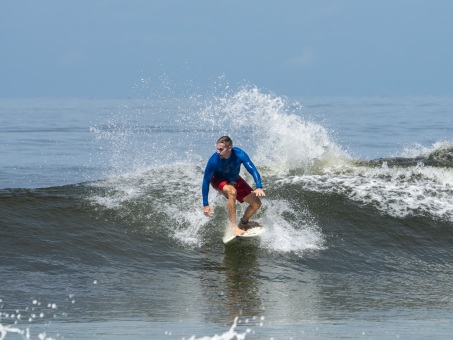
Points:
[[222, 172]]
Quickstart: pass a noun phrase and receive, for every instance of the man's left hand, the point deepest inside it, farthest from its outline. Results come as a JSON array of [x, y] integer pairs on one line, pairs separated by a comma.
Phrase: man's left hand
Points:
[[259, 192]]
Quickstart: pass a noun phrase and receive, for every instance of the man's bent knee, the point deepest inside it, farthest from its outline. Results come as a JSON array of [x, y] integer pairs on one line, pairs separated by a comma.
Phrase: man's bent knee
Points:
[[230, 191], [253, 200]]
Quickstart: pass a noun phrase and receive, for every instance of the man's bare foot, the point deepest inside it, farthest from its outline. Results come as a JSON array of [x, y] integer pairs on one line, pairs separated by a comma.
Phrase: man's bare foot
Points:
[[238, 231]]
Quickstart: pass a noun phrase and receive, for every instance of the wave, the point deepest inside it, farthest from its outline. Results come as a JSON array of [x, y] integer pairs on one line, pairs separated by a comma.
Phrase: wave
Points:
[[440, 154], [162, 205], [167, 201], [152, 183], [164, 169], [157, 161]]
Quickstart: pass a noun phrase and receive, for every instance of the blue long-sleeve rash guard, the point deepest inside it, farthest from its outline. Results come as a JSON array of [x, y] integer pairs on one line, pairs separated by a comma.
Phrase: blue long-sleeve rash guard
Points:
[[228, 169]]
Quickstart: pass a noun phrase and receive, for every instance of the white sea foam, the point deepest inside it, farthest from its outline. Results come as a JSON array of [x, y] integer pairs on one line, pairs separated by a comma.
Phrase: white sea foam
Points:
[[297, 235], [399, 192], [419, 150], [173, 189]]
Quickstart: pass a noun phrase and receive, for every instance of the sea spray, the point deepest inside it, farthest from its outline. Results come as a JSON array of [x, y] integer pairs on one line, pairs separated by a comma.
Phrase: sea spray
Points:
[[272, 131], [289, 230], [151, 168], [229, 335], [283, 141]]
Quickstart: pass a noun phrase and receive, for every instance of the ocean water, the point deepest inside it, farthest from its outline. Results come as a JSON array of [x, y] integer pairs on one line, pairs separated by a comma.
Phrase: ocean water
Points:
[[102, 234]]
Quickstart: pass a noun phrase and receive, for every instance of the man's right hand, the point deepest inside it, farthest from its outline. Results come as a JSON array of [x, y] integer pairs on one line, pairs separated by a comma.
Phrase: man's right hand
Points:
[[207, 210]]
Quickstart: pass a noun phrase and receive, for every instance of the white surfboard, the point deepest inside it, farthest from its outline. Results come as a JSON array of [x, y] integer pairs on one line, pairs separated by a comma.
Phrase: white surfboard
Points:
[[252, 232]]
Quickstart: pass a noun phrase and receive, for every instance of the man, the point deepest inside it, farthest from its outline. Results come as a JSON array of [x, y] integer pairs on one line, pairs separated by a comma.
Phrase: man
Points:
[[222, 172]]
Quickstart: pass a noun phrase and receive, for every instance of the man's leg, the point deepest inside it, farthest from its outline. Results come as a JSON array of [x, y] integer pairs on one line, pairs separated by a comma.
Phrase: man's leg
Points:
[[254, 204], [230, 193]]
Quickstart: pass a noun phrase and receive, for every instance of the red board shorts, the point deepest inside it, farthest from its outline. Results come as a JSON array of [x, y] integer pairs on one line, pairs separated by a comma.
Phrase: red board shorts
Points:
[[241, 186]]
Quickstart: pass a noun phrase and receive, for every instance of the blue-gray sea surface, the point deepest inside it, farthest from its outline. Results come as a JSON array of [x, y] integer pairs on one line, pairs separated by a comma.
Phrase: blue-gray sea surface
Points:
[[102, 233]]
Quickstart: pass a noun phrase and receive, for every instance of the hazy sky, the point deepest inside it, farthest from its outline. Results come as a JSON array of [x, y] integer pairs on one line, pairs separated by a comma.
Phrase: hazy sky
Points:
[[102, 48]]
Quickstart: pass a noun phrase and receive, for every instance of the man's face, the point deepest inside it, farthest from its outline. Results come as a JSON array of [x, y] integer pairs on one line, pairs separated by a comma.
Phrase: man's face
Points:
[[223, 151]]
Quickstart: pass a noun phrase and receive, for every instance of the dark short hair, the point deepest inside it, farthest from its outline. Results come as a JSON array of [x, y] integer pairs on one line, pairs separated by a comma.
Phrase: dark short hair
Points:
[[225, 140]]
